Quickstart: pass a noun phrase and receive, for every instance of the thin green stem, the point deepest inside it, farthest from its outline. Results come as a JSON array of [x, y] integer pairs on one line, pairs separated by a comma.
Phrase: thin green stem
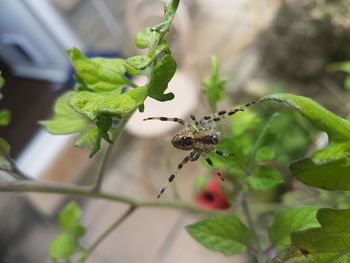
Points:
[[107, 153], [87, 191], [109, 230]]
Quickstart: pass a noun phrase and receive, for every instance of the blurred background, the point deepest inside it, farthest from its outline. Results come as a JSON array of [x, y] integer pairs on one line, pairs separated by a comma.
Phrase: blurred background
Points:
[[263, 46]]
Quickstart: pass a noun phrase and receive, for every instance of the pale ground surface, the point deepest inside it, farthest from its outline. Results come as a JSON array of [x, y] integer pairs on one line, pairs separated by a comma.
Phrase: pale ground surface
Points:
[[137, 168]]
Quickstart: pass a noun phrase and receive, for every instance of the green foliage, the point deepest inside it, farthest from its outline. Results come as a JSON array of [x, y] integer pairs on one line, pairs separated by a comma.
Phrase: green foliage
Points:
[[2, 81], [146, 38], [169, 13], [160, 77], [328, 168], [5, 116], [264, 178], [99, 74], [98, 98], [342, 66], [66, 243], [215, 84], [326, 244], [65, 119], [291, 219], [225, 234], [5, 163], [95, 104], [69, 220], [62, 246]]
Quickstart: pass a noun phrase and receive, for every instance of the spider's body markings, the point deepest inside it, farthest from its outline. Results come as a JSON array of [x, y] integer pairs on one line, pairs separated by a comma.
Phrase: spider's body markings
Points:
[[200, 138]]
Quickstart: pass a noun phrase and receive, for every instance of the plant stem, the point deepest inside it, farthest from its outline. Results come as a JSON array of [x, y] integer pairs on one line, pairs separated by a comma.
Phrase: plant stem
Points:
[[87, 191], [108, 151], [107, 232], [258, 253]]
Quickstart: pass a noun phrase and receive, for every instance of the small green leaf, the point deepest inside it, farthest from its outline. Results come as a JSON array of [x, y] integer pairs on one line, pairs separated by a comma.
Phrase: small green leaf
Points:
[[65, 119], [104, 123], [215, 84], [291, 219], [69, 220], [90, 138], [169, 13], [2, 81], [87, 138], [338, 129], [264, 154], [146, 38], [62, 246], [161, 75], [143, 61], [341, 66], [225, 234], [5, 163], [5, 116], [264, 178], [326, 244], [93, 104], [99, 74]]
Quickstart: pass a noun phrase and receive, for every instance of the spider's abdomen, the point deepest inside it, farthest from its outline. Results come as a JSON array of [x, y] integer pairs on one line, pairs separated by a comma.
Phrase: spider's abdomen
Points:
[[184, 141]]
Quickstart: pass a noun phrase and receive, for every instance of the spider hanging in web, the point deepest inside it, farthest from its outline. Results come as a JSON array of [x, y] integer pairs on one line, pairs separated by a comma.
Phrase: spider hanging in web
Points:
[[200, 138]]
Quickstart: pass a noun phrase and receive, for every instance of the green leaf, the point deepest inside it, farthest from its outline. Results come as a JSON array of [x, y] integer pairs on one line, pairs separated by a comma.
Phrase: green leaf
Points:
[[341, 66], [338, 129], [62, 246], [225, 234], [326, 244], [87, 138], [330, 175], [93, 104], [160, 77], [265, 153], [328, 168], [143, 61], [65, 119], [146, 38], [264, 178], [104, 123], [215, 84], [169, 13], [5, 163], [99, 74], [291, 219], [90, 138], [5, 116], [69, 220]]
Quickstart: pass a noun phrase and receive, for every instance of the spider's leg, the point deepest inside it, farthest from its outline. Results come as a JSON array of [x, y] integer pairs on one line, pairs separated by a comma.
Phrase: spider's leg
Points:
[[211, 164], [172, 177], [224, 113], [223, 154], [178, 120]]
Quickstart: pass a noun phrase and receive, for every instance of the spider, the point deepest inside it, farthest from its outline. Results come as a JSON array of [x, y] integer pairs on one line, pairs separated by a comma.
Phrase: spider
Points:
[[200, 138]]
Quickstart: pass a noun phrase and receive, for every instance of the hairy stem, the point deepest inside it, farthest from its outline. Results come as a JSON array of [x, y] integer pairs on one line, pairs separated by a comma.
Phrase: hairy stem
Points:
[[87, 191], [105, 158], [109, 230], [258, 252]]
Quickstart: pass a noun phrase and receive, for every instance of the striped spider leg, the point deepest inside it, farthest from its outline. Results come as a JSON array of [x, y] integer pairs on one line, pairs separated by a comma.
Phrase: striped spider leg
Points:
[[224, 113]]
